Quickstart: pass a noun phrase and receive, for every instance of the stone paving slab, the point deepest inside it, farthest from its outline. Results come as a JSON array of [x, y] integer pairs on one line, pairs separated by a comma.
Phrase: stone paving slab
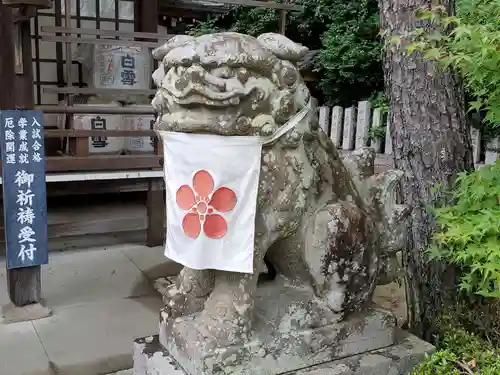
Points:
[[4, 295], [90, 276], [96, 338], [101, 301], [21, 352]]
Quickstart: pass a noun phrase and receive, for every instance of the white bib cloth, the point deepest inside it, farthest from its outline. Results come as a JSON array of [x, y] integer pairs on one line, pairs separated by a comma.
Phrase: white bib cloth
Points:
[[211, 197]]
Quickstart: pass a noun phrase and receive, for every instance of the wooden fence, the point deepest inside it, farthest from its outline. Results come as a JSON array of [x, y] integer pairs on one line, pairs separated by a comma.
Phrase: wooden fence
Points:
[[356, 127]]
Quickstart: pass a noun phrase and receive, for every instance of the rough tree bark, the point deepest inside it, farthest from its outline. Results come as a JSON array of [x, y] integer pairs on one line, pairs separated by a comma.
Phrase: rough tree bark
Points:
[[431, 144]]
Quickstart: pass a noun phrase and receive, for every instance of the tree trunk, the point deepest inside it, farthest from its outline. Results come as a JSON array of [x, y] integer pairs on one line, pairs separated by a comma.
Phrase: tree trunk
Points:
[[431, 144]]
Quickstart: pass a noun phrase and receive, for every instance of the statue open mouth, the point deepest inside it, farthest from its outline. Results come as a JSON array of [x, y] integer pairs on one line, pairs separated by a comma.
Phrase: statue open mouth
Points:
[[227, 84], [215, 100]]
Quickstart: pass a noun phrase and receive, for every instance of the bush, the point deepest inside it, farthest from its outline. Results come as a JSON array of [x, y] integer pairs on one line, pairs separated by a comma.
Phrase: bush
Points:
[[469, 231], [480, 315], [461, 352], [469, 237], [350, 62], [345, 32]]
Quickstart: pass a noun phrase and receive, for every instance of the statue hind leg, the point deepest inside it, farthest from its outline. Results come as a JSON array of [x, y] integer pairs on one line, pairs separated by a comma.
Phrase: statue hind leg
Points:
[[287, 256]]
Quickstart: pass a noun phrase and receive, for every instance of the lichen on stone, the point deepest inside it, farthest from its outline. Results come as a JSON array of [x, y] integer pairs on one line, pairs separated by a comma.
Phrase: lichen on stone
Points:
[[323, 223]]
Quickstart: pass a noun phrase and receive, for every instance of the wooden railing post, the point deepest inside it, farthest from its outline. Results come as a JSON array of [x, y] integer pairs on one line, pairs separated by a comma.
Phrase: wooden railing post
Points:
[[156, 209], [282, 21], [79, 146], [148, 22]]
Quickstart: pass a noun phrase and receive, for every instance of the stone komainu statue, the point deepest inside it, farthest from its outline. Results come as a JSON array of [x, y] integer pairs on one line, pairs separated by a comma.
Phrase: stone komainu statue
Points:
[[328, 226]]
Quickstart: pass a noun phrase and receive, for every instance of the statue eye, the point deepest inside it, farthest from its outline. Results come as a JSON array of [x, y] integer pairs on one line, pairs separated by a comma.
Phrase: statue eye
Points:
[[243, 75], [224, 72]]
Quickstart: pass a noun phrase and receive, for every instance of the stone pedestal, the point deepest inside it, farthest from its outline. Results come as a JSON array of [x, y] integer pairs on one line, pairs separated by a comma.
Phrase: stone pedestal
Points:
[[150, 358], [277, 349], [292, 331]]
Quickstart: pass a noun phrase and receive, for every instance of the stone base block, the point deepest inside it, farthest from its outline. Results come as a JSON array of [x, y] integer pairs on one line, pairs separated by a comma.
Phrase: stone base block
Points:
[[150, 358], [292, 330], [275, 351]]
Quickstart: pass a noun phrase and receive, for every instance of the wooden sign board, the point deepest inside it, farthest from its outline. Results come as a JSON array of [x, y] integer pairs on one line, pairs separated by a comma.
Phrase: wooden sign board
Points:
[[24, 191]]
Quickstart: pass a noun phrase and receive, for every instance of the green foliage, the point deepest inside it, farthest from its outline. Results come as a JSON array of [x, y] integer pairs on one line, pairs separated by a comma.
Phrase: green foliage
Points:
[[350, 60], [379, 100], [480, 315], [377, 132], [468, 43], [469, 234], [345, 33], [442, 362], [459, 353]]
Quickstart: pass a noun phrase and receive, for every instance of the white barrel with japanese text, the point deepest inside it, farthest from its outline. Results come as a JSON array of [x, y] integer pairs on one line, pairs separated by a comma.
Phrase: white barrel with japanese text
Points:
[[139, 122], [104, 144], [120, 67]]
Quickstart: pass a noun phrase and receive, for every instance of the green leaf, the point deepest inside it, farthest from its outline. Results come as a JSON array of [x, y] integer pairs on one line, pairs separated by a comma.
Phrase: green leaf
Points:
[[423, 14], [411, 47]]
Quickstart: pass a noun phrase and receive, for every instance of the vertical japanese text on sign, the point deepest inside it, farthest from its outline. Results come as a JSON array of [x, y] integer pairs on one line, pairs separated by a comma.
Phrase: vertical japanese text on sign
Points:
[[152, 127], [98, 123], [128, 75], [24, 193]]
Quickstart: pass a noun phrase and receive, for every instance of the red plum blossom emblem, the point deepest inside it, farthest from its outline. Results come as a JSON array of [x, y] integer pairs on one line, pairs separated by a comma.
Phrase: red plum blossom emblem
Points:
[[204, 203]]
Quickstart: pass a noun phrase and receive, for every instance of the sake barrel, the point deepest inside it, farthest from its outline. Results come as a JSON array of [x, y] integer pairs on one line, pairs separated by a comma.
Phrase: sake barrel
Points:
[[121, 67], [103, 144], [139, 122]]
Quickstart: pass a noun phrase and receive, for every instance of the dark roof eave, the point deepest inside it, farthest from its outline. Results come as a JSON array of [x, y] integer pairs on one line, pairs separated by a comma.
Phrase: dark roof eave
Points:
[[196, 5], [224, 5]]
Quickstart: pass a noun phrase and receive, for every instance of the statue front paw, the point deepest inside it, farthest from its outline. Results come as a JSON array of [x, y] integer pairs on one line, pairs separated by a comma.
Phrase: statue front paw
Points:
[[178, 301]]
